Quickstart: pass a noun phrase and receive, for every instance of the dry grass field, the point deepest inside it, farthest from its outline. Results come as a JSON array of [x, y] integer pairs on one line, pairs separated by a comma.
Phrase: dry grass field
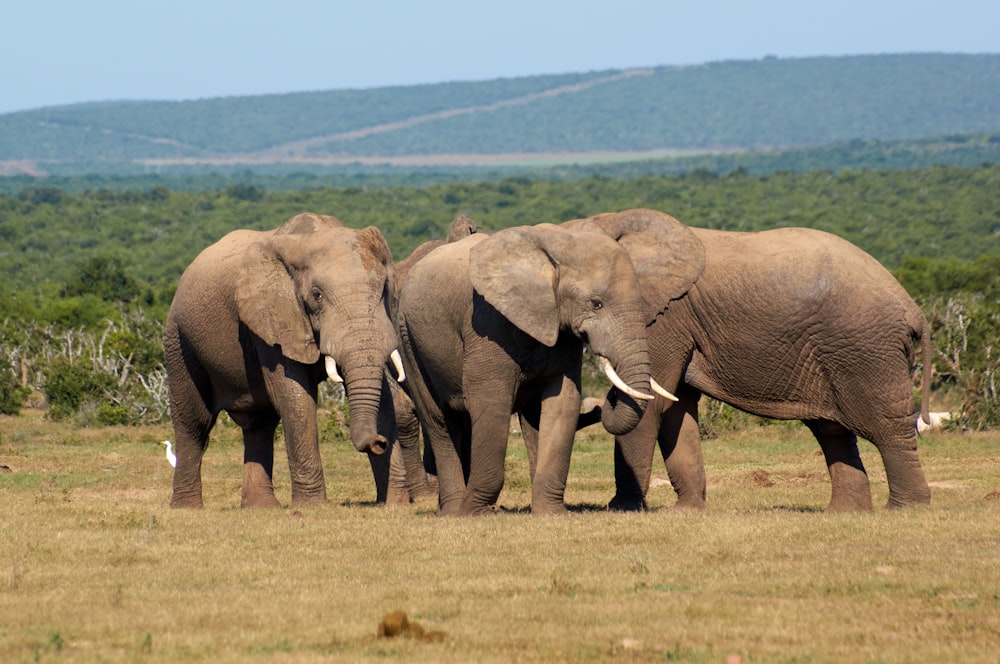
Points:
[[95, 567]]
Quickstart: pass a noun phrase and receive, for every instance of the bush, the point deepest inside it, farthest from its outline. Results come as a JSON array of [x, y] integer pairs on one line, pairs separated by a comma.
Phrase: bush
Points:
[[111, 414], [68, 385], [965, 331]]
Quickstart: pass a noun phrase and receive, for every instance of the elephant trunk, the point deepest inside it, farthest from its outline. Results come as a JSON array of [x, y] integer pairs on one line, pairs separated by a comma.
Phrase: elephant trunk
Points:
[[360, 352], [364, 393], [624, 406]]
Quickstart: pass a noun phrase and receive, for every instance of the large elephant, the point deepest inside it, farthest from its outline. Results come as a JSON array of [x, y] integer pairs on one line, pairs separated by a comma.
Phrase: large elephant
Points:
[[491, 325], [259, 319], [787, 324]]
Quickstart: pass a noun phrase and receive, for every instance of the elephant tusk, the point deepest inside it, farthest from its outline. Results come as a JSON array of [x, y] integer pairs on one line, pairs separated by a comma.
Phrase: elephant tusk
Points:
[[331, 370], [659, 390], [397, 362], [620, 384]]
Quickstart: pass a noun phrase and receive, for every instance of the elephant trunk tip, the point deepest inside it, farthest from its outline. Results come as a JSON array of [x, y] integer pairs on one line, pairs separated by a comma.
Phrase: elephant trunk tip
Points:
[[377, 444]]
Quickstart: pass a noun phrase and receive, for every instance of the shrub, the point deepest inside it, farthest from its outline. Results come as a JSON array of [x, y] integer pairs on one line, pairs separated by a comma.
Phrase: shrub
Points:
[[68, 385], [112, 414], [965, 330]]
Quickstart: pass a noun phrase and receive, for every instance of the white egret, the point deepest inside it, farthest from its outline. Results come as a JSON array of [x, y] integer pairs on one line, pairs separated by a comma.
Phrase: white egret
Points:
[[171, 457]]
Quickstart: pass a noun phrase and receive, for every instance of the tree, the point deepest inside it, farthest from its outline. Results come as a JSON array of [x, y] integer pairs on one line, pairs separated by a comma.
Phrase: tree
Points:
[[105, 277]]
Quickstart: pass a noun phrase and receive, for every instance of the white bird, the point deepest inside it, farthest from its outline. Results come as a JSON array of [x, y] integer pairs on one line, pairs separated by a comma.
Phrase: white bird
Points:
[[171, 457]]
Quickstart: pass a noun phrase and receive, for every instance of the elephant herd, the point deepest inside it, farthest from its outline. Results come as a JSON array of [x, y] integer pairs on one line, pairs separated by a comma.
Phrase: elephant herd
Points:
[[787, 324]]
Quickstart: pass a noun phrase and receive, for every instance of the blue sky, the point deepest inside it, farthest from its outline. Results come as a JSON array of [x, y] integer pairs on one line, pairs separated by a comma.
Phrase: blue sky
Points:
[[63, 52]]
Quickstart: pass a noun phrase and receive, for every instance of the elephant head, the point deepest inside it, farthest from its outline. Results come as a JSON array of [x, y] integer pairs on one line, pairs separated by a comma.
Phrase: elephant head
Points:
[[668, 258], [329, 293], [548, 281]]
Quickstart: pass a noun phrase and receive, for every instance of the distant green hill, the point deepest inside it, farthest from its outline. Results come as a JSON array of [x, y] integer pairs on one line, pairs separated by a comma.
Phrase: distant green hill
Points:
[[716, 108]]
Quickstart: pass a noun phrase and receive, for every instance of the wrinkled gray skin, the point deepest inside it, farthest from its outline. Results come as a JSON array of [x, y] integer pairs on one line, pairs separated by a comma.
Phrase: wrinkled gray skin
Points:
[[786, 324], [253, 318], [492, 325], [410, 477]]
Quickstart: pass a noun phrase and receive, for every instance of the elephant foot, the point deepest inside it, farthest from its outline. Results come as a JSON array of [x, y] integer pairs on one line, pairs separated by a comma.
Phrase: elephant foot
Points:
[[478, 510], [851, 489], [627, 504], [549, 509], [422, 494], [450, 509], [846, 501], [190, 503], [258, 503], [895, 503], [397, 497], [688, 504], [302, 500]]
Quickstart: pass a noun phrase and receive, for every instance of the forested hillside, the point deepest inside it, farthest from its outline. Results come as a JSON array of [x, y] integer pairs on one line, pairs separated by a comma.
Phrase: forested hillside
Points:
[[716, 107]]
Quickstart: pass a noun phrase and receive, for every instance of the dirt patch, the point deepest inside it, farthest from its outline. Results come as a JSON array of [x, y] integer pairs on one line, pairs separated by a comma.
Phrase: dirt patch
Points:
[[762, 478]]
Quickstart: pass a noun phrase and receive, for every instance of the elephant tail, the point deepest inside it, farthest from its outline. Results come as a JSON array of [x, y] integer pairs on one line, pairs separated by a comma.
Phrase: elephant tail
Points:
[[927, 351]]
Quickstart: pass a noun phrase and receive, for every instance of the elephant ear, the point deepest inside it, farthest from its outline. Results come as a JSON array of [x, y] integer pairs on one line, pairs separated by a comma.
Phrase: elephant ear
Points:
[[373, 245], [461, 226], [513, 271], [267, 303], [668, 257]]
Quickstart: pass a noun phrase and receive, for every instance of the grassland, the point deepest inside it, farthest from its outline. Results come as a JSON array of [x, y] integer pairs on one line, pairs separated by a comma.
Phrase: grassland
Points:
[[95, 567]]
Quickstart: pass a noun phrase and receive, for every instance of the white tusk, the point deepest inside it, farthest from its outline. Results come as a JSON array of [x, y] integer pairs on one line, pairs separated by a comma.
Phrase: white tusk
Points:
[[331, 370], [620, 384], [397, 362], [659, 390]]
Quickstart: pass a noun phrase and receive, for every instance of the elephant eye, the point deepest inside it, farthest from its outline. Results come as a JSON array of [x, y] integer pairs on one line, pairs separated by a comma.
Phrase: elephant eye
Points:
[[317, 294], [596, 304]]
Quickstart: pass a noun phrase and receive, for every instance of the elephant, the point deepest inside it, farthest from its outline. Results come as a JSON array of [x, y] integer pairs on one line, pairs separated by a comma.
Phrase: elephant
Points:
[[258, 320], [495, 324], [790, 324]]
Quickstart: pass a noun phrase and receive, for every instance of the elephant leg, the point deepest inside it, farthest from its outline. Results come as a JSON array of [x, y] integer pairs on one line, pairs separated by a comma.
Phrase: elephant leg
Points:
[[680, 445], [487, 454], [293, 394], [258, 458], [396, 492], [381, 470], [897, 445], [556, 428], [528, 417], [190, 440], [634, 461], [193, 422], [441, 451], [449, 439], [851, 488], [407, 475]]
